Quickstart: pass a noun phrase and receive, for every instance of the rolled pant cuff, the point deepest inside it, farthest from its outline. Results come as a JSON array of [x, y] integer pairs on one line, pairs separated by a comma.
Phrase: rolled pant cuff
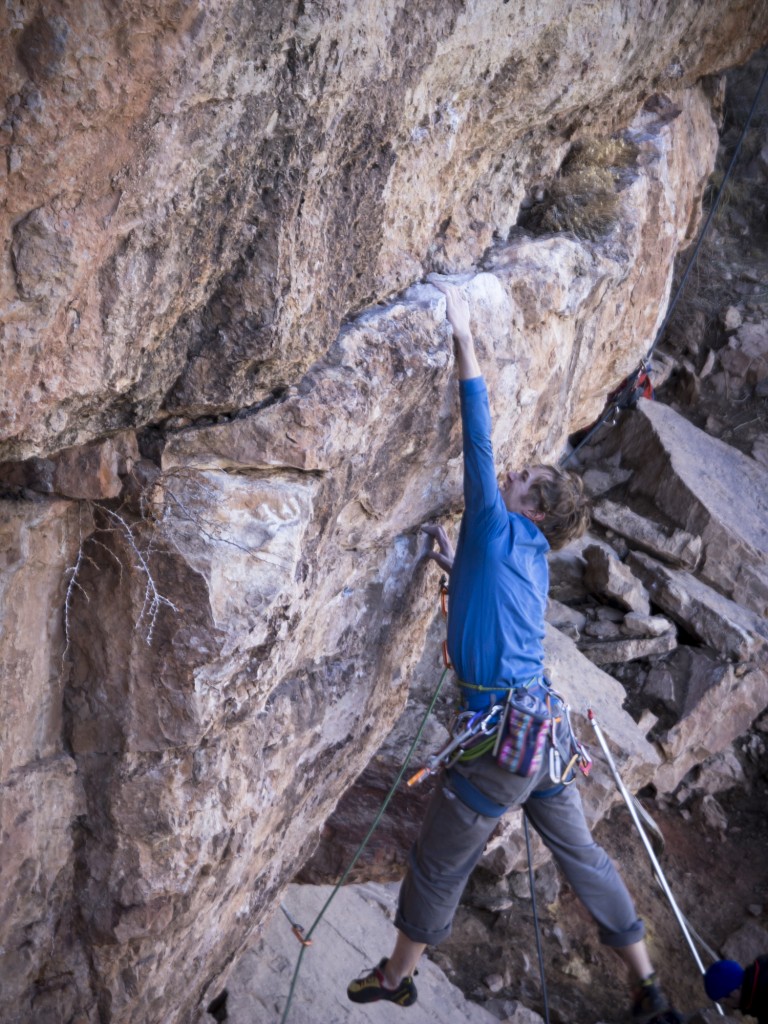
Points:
[[628, 938], [430, 938]]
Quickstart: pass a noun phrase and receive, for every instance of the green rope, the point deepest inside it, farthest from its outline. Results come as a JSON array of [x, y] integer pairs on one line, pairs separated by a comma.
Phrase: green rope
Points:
[[481, 689], [362, 845]]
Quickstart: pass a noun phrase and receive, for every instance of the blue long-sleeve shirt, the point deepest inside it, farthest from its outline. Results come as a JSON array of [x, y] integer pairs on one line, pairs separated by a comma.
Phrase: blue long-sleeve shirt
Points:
[[500, 577]]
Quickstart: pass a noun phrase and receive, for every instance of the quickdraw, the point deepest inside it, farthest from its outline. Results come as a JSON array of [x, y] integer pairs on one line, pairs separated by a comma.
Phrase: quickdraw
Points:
[[637, 385], [296, 928], [579, 754], [468, 726], [444, 611]]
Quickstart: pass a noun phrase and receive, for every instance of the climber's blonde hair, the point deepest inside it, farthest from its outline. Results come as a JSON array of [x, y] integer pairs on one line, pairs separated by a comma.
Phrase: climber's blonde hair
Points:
[[559, 494]]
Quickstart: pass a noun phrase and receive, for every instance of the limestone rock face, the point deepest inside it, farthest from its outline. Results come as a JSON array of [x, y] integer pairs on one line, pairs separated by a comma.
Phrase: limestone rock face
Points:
[[41, 793], [217, 344], [195, 199]]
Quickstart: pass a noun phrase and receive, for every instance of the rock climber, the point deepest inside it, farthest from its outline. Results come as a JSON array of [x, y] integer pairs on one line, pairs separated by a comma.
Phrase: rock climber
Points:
[[741, 988], [497, 600]]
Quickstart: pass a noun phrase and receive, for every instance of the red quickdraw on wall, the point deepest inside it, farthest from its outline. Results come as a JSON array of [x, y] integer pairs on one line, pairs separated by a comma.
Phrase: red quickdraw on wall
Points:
[[444, 596], [636, 385]]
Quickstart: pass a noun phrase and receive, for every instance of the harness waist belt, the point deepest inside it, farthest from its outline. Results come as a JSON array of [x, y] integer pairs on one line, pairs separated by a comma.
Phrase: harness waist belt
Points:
[[469, 794], [502, 685]]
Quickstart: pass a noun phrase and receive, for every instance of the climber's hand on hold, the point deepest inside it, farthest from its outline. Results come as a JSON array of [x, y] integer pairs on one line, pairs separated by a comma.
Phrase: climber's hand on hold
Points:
[[445, 553], [456, 308], [457, 312]]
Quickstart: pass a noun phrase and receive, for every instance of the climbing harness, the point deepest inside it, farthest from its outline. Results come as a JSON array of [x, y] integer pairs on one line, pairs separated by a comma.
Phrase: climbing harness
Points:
[[646, 842], [516, 732]]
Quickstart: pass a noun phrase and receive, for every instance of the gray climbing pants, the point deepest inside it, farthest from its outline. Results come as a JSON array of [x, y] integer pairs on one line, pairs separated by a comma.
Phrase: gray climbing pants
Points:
[[453, 837]]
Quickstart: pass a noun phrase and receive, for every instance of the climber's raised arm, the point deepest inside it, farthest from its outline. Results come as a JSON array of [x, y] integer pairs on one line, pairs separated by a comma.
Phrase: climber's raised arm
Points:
[[457, 311], [481, 491]]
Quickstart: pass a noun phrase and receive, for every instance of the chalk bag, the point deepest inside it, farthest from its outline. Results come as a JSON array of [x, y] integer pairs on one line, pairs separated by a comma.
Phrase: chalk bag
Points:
[[524, 730]]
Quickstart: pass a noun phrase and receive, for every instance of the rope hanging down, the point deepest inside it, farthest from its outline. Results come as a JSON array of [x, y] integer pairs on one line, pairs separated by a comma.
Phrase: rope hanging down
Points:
[[539, 951], [306, 940], [626, 396]]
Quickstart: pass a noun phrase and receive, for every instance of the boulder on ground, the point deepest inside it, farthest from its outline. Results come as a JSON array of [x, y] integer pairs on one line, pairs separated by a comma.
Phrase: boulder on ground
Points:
[[611, 652], [607, 577], [602, 629], [713, 619], [707, 488], [711, 813], [669, 544], [745, 359], [646, 625], [719, 703], [720, 772], [568, 620]]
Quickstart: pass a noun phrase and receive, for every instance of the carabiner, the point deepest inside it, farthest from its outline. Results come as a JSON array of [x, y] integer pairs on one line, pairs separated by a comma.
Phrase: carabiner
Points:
[[569, 770], [555, 765], [488, 726]]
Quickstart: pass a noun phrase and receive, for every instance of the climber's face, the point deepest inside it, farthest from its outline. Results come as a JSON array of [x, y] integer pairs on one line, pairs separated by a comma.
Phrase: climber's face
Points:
[[515, 490]]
